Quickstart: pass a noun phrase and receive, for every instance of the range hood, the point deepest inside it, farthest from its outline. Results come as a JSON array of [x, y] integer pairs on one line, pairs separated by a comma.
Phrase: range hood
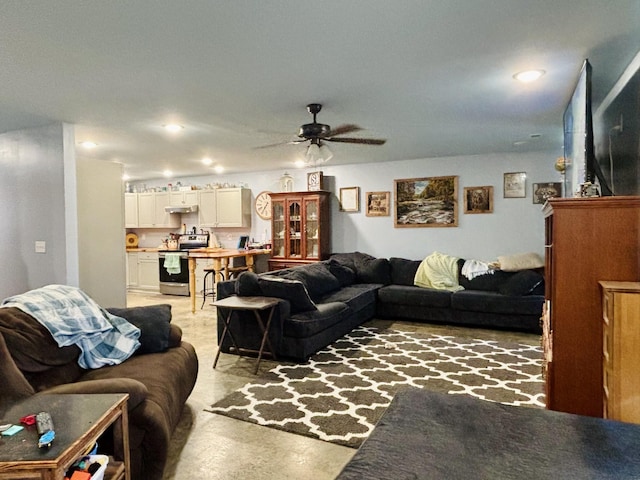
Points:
[[181, 208]]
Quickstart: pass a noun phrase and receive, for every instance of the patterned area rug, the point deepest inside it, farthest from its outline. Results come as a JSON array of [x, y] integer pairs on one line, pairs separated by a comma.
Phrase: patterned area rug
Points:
[[341, 393]]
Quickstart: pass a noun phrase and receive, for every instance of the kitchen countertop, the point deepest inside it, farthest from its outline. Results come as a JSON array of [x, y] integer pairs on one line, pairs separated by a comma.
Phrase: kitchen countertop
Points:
[[143, 249]]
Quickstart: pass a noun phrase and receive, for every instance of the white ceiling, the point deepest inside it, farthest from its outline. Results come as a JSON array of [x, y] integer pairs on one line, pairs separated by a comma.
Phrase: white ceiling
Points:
[[433, 77]]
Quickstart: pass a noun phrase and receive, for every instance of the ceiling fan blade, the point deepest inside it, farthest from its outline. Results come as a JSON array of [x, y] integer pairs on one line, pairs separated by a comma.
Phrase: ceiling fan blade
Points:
[[292, 142], [365, 141], [342, 129]]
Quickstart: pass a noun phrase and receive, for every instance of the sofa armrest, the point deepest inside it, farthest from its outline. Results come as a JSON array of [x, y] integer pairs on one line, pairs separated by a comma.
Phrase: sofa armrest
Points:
[[175, 336], [225, 289], [137, 390]]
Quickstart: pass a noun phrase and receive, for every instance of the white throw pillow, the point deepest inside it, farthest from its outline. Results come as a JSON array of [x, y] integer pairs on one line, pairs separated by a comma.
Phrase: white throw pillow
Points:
[[520, 261]]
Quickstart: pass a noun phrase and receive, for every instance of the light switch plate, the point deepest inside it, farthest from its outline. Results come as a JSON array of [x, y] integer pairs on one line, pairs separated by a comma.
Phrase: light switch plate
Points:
[[41, 246]]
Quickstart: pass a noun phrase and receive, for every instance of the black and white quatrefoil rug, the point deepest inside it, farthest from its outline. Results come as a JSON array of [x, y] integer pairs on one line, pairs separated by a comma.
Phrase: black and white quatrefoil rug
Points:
[[341, 393]]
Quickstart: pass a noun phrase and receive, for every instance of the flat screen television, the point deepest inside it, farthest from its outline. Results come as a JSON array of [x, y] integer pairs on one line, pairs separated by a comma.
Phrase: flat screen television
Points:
[[617, 133], [578, 136]]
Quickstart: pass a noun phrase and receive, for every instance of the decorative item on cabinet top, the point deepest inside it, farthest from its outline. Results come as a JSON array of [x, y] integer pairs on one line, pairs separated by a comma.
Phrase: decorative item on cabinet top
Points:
[[286, 183]]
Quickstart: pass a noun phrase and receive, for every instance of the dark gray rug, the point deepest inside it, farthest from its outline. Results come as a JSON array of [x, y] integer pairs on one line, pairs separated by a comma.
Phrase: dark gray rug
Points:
[[340, 394]]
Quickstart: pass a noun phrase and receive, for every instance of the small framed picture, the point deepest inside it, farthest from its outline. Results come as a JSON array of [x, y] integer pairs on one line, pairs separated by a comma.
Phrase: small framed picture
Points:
[[350, 199], [478, 199], [377, 204], [315, 181], [514, 185], [544, 191]]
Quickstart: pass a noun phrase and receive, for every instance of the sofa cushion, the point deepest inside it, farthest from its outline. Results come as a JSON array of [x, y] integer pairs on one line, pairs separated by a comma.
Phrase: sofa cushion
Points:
[[316, 277], [403, 271], [292, 290], [30, 343], [247, 285], [309, 323], [525, 282], [493, 302], [373, 270], [153, 322], [344, 275], [489, 282], [520, 261], [415, 296], [357, 296], [349, 259]]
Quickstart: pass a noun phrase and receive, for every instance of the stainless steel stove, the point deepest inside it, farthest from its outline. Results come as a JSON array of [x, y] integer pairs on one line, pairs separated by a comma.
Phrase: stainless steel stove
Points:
[[174, 264]]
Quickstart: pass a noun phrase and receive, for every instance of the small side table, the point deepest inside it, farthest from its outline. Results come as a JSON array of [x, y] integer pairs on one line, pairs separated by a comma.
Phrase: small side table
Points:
[[252, 304], [78, 421]]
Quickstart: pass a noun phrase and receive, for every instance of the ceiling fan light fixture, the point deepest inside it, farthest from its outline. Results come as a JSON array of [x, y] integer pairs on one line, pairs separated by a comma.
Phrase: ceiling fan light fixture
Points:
[[318, 154], [325, 153]]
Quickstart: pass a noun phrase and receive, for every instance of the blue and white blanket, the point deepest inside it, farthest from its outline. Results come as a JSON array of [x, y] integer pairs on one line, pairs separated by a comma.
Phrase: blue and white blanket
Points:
[[73, 318]]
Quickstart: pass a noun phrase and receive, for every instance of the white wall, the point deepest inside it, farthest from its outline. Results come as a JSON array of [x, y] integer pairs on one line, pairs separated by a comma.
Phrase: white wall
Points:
[[32, 208], [516, 224], [101, 233], [41, 200]]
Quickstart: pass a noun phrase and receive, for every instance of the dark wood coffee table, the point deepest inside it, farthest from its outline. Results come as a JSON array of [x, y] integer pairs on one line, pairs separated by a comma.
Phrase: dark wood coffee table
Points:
[[78, 421], [251, 304]]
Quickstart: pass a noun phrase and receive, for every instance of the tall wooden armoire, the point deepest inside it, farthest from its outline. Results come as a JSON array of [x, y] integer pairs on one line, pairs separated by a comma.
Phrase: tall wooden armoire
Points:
[[587, 240]]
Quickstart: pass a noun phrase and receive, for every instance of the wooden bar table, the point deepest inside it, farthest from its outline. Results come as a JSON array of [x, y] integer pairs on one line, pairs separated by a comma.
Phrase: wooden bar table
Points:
[[220, 257]]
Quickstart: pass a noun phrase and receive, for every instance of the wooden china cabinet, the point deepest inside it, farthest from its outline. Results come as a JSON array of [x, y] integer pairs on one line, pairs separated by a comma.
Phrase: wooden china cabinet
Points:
[[587, 240], [300, 227]]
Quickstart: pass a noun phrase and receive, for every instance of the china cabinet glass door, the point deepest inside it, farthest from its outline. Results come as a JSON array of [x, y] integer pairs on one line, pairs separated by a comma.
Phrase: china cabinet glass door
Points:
[[278, 228], [295, 229], [312, 216]]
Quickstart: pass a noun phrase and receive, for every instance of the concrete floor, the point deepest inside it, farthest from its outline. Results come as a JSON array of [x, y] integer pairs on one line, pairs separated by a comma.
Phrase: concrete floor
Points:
[[210, 446]]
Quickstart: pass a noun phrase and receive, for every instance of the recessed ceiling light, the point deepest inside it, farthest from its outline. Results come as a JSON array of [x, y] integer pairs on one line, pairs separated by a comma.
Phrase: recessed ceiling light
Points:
[[167, 173], [529, 75], [88, 145], [218, 169], [300, 163], [207, 161], [173, 127]]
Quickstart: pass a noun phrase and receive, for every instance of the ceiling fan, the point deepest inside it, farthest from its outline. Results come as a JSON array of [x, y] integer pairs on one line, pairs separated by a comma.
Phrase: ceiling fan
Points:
[[317, 133]]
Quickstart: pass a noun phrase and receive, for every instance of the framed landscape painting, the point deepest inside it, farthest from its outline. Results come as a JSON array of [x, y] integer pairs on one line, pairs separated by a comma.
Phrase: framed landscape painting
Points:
[[426, 202]]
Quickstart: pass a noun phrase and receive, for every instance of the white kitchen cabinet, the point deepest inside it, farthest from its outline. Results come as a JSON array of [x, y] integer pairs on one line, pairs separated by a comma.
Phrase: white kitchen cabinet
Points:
[[130, 210], [151, 212], [143, 271], [207, 215], [148, 271], [186, 198], [225, 207], [132, 269]]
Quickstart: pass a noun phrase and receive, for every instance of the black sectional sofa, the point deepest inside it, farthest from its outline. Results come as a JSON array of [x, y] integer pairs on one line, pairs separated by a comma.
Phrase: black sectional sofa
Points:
[[323, 301]]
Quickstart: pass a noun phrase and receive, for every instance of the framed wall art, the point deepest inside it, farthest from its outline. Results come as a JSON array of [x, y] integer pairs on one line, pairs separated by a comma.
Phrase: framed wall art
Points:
[[377, 204], [315, 181], [426, 202], [350, 199], [478, 199], [544, 191], [514, 185]]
